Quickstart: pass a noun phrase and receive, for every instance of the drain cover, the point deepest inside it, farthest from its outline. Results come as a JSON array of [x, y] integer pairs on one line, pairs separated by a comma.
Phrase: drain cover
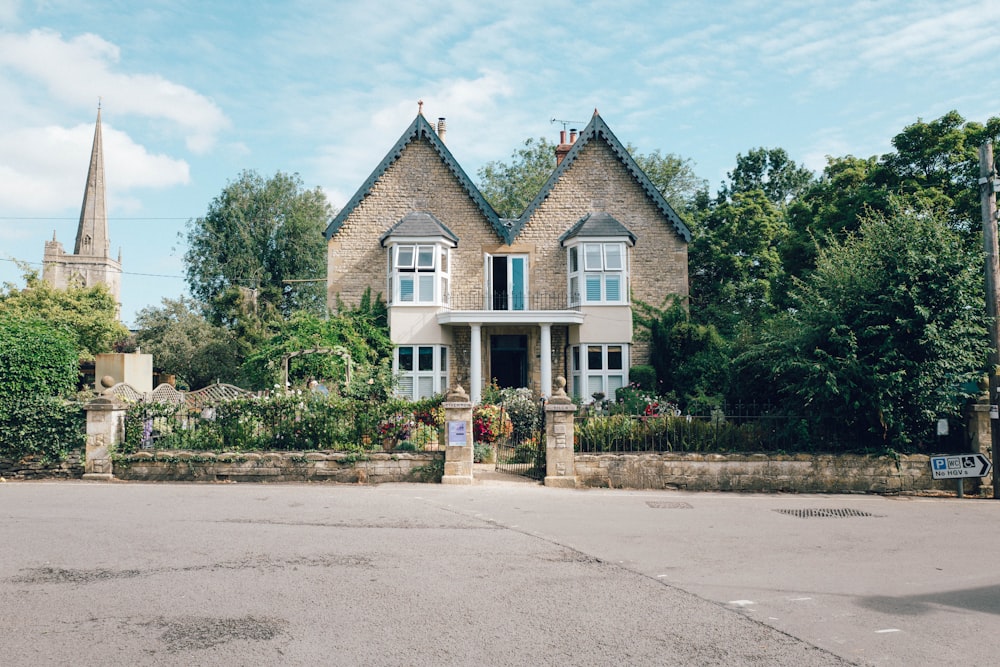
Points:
[[663, 505], [813, 512]]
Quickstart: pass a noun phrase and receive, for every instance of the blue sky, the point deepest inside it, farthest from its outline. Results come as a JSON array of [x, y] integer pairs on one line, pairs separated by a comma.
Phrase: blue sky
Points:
[[196, 91]]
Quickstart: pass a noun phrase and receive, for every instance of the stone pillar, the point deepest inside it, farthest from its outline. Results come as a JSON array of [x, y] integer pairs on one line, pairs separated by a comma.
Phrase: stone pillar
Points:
[[475, 362], [105, 429], [546, 357], [458, 450], [979, 428], [560, 466]]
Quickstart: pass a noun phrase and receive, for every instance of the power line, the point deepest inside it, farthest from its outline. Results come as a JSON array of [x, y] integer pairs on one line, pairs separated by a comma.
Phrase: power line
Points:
[[124, 273], [20, 217]]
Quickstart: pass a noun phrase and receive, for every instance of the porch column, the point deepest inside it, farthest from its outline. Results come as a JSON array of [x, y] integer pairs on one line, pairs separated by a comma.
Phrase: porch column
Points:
[[475, 364], [546, 354]]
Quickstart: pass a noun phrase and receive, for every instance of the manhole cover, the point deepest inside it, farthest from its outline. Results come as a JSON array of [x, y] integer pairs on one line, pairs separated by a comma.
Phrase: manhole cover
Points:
[[663, 505], [841, 513]]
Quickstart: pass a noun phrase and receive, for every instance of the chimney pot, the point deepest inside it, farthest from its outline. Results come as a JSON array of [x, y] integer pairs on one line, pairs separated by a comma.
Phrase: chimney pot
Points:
[[442, 129], [572, 136], [562, 136]]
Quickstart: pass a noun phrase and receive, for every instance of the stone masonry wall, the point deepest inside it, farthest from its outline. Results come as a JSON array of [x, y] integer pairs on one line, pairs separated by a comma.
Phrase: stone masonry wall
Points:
[[800, 473], [33, 468], [597, 181], [418, 180], [370, 468]]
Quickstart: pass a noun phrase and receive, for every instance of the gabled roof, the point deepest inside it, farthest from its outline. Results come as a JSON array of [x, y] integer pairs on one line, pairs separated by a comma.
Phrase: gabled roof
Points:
[[419, 129], [599, 224], [420, 224], [597, 129]]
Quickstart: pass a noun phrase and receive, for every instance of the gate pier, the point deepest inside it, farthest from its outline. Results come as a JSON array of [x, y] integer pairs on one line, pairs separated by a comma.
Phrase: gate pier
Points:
[[560, 468]]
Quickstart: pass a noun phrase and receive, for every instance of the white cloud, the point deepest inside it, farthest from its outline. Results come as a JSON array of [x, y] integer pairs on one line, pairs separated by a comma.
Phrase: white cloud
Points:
[[44, 168], [80, 69]]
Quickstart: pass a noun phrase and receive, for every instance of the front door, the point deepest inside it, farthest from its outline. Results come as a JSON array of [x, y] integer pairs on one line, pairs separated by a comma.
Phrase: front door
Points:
[[509, 360]]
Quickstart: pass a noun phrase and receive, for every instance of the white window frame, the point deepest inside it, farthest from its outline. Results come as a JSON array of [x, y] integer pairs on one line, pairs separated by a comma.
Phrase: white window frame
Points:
[[586, 380], [596, 269], [424, 267], [416, 383]]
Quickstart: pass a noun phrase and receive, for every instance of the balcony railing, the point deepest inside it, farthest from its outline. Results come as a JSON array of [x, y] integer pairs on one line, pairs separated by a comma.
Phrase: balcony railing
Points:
[[479, 299]]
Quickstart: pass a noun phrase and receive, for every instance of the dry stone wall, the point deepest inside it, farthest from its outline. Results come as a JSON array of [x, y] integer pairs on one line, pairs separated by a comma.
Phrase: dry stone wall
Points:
[[800, 473], [370, 468]]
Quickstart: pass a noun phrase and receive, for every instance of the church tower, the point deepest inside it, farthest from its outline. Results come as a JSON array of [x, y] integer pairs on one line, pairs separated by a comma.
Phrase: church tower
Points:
[[91, 263]]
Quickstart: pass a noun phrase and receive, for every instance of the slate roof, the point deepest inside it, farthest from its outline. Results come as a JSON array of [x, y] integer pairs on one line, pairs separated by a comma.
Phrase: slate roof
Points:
[[509, 228], [419, 224], [597, 225], [418, 129]]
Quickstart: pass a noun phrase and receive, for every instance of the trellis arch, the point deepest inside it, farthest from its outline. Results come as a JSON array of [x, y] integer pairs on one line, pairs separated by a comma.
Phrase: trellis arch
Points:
[[338, 350]]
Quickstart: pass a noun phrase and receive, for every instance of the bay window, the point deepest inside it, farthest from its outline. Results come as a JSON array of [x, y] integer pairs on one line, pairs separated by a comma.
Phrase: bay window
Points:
[[422, 370], [598, 369]]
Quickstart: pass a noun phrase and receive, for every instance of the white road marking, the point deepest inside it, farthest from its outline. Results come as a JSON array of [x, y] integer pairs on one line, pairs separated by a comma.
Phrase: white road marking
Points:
[[882, 632], [799, 599], [741, 603]]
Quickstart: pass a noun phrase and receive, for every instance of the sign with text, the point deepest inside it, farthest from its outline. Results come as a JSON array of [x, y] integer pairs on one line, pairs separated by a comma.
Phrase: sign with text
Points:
[[456, 434], [960, 465]]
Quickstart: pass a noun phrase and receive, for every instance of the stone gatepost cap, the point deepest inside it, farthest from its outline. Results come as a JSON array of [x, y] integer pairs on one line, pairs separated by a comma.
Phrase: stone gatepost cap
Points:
[[457, 395], [559, 396]]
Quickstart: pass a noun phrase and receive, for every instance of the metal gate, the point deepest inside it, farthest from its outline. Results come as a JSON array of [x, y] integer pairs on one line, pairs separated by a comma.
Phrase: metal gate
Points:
[[522, 451]]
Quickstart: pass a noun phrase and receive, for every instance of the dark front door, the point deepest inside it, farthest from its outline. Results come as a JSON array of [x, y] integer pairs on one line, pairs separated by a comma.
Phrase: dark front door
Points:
[[509, 360]]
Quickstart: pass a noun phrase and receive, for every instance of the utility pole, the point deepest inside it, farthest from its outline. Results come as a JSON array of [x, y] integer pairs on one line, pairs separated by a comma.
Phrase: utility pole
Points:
[[987, 190]]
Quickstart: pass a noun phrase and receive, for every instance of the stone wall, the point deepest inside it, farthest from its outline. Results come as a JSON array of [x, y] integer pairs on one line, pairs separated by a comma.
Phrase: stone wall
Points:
[[33, 468], [370, 467], [798, 473]]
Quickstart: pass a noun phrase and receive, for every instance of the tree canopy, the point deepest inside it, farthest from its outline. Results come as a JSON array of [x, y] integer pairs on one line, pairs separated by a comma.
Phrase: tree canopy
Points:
[[883, 333], [257, 234], [185, 344], [89, 314]]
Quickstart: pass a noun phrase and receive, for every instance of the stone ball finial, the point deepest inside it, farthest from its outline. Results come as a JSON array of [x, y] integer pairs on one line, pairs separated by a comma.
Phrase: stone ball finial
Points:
[[559, 396], [107, 382], [457, 395]]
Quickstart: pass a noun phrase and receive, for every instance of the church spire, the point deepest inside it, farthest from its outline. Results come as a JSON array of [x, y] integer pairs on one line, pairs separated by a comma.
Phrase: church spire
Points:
[[92, 234]]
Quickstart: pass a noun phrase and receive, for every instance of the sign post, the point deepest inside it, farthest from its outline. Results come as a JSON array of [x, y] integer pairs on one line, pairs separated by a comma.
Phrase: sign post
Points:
[[960, 466]]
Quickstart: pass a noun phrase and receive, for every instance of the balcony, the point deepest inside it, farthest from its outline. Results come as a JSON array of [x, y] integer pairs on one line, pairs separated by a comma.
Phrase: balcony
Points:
[[500, 307]]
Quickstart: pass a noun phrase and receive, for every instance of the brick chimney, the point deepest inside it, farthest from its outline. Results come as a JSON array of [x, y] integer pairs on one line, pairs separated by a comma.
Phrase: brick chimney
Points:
[[563, 148]]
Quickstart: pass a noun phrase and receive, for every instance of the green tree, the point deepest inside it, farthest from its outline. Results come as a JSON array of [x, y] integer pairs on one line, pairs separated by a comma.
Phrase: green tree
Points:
[[510, 186], [734, 260], [363, 331], [691, 360], [185, 344], [882, 334], [769, 170], [38, 370], [258, 233], [88, 313]]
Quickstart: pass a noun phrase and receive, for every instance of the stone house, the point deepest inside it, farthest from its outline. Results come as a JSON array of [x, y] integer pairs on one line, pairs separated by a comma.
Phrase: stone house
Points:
[[473, 297]]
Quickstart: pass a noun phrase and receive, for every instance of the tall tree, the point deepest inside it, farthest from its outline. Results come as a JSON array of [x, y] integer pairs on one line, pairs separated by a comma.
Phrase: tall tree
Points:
[[88, 313], [510, 186], [258, 233], [769, 170], [185, 344], [883, 333]]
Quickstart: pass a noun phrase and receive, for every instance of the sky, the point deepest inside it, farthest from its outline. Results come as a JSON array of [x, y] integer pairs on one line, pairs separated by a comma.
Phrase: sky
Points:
[[193, 92]]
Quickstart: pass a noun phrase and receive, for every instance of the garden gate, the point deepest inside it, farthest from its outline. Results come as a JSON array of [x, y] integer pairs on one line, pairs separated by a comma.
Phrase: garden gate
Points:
[[522, 451]]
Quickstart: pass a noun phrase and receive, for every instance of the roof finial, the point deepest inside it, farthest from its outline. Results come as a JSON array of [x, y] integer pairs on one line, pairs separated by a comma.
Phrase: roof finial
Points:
[[99, 100], [595, 111], [420, 107]]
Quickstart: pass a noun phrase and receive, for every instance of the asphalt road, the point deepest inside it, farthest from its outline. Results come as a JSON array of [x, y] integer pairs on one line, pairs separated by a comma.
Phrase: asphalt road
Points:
[[228, 574]]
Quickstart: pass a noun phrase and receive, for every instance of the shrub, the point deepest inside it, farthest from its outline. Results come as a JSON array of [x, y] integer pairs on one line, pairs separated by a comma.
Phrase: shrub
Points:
[[490, 423], [46, 427], [643, 377]]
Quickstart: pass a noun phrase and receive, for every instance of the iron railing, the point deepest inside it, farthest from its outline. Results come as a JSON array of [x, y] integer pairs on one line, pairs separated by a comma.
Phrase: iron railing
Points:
[[498, 300]]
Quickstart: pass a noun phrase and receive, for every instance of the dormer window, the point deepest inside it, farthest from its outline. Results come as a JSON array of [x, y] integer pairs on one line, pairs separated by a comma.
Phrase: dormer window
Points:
[[597, 260], [419, 253]]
